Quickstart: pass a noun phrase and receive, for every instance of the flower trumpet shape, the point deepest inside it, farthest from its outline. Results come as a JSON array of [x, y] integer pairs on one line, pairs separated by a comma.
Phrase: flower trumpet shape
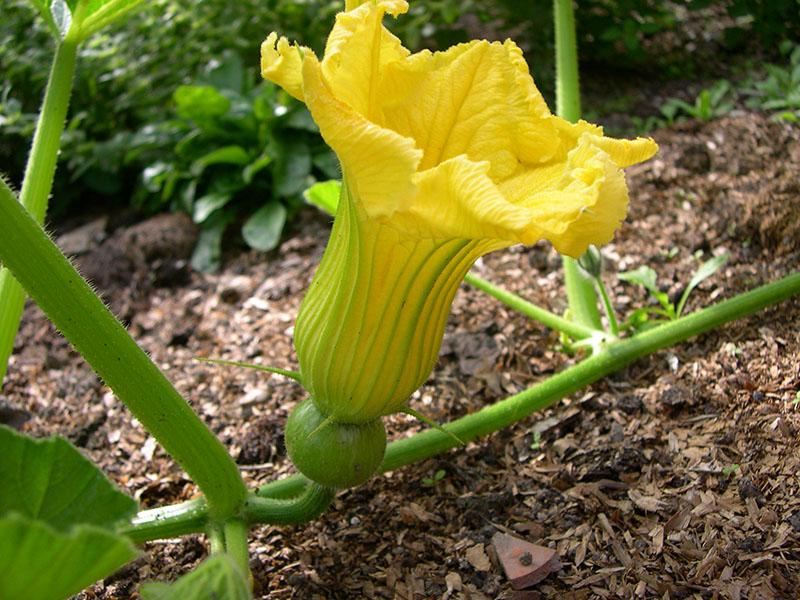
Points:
[[445, 156]]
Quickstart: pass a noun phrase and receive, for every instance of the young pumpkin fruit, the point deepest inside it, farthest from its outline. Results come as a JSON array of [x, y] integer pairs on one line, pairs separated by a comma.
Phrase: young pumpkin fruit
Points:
[[337, 455]]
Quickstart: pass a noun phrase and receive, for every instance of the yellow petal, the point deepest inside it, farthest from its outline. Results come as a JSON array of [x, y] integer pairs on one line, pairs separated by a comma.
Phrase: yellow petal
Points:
[[476, 99], [625, 153], [357, 49], [377, 163], [393, 7], [282, 63], [584, 206], [458, 200]]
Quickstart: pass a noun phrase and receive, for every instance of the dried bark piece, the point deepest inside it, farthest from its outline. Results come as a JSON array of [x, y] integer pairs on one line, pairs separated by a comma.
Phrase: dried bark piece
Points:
[[525, 564]]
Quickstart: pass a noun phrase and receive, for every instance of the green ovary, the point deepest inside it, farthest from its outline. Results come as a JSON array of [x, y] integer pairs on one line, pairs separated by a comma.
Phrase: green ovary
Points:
[[370, 327]]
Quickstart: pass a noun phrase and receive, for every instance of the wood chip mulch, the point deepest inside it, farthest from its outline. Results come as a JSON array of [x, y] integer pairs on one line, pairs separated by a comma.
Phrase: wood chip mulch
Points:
[[675, 478]]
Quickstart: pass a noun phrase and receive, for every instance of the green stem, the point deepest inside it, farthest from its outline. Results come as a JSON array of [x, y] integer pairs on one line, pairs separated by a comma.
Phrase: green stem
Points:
[[169, 521], [216, 538], [236, 544], [613, 326], [573, 329], [84, 320], [307, 504], [614, 357], [568, 95], [580, 292], [38, 181]]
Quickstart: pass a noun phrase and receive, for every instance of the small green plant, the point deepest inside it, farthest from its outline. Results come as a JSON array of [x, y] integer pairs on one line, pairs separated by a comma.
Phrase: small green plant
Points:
[[779, 91], [710, 103], [730, 470], [536, 443], [234, 150], [646, 277], [432, 481]]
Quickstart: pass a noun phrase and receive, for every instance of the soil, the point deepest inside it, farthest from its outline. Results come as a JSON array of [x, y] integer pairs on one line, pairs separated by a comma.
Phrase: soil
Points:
[[675, 478]]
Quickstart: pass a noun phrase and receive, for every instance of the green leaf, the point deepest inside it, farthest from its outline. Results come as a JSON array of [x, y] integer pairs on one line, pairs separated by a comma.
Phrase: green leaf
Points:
[[324, 195], [200, 102], [62, 16], [227, 155], [291, 168], [208, 250], [51, 481], [215, 579], [644, 276], [57, 518], [227, 74], [203, 207], [154, 176], [101, 13], [39, 563], [254, 167], [262, 231], [706, 270]]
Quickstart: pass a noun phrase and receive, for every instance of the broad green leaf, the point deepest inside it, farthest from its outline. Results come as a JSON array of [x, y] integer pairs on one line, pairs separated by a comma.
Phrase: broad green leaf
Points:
[[154, 176], [200, 102], [227, 155], [291, 168], [226, 74], [203, 207], [208, 250], [706, 270], [324, 195], [37, 562], [217, 578], [254, 167], [262, 231], [51, 481]]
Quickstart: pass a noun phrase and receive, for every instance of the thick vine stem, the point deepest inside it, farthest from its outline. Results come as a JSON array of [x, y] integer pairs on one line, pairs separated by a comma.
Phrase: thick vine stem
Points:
[[300, 509], [72, 306], [168, 521]]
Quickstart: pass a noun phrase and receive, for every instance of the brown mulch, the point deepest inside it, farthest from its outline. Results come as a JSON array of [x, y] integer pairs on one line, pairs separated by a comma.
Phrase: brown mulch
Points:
[[675, 478]]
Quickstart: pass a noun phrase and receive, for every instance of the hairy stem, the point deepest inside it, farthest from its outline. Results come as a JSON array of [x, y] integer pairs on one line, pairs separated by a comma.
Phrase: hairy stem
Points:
[[306, 502], [84, 320], [613, 325], [573, 329], [580, 292], [38, 181]]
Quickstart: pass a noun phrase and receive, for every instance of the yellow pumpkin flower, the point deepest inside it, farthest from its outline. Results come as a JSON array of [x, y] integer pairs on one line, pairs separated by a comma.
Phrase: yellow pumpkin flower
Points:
[[445, 156]]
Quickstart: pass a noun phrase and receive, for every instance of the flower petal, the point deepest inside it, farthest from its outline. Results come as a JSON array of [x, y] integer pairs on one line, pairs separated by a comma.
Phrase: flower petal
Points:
[[282, 63], [458, 200], [584, 206], [378, 164], [358, 47], [476, 99]]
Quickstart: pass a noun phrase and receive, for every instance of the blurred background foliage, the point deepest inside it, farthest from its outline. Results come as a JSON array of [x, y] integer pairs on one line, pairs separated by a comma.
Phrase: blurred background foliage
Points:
[[169, 112]]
